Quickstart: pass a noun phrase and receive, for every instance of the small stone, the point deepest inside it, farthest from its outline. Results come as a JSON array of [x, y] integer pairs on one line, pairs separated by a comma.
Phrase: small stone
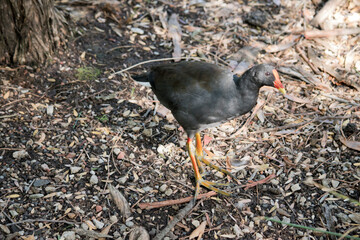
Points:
[[117, 151], [84, 226], [137, 30], [36, 196], [285, 220], [169, 192], [20, 154], [13, 213], [355, 217], [170, 127], [295, 187], [123, 179], [237, 231], [343, 217], [71, 215], [147, 132], [113, 219], [74, 170], [129, 223], [50, 110], [122, 227], [302, 200], [147, 189], [41, 182], [68, 235], [94, 180], [335, 183], [98, 224], [163, 188], [136, 129], [50, 189], [45, 167], [196, 223]]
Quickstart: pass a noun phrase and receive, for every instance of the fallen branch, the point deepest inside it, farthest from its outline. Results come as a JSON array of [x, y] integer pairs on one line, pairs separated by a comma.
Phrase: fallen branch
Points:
[[176, 219]]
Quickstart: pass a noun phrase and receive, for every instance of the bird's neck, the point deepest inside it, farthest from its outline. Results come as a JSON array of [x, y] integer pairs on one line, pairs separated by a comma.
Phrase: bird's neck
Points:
[[248, 91], [245, 83]]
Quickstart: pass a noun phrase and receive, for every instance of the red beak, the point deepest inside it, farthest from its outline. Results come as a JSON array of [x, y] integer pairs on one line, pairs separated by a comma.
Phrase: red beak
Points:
[[277, 82]]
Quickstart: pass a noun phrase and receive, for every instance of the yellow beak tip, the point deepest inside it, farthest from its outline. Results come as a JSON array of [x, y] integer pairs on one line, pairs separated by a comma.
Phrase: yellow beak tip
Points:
[[282, 90]]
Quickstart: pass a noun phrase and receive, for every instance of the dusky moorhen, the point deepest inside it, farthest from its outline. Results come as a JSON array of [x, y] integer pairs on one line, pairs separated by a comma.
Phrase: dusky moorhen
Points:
[[202, 95]]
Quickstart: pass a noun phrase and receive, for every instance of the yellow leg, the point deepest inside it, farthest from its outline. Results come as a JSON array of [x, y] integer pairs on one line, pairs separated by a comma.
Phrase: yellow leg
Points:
[[198, 178], [200, 158]]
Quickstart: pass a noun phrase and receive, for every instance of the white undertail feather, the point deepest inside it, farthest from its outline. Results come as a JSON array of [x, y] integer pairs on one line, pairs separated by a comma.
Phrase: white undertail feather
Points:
[[146, 84]]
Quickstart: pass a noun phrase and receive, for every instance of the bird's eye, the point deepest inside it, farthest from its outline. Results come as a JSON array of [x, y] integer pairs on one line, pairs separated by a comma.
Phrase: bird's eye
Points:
[[267, 74]]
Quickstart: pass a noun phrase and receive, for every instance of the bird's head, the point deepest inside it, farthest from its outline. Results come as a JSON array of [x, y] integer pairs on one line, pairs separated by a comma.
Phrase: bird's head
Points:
[[267, 75]]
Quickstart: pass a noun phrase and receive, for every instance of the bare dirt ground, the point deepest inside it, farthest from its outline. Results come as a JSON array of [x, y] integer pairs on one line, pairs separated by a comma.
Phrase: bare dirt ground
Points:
[[70, 128]]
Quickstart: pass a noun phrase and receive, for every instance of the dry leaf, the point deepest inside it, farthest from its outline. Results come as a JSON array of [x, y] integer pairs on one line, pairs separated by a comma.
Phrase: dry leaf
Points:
[[199, 231], [139, 233], [106, 231], [297, 99], [6, 95], [351, 144], [206, 139], [175, 33], [120, 201], [91, 234]]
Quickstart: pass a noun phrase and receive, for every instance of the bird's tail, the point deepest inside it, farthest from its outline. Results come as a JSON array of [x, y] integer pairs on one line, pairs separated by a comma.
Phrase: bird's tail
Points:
[[142, 79]]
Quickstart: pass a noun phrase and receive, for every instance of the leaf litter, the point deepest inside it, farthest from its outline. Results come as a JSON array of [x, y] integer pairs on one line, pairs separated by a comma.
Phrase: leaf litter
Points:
[[82, 133]]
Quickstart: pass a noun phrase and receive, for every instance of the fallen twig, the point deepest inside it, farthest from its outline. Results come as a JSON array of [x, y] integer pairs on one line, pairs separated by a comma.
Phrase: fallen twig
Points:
[[152, 205], [330, 33], [302, 54], [293, 125], [262, 181], [150, 61], [42, 220]]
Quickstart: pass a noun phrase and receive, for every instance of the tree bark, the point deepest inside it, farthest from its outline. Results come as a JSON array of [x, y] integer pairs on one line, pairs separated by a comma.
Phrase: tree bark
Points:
[[30, 31]]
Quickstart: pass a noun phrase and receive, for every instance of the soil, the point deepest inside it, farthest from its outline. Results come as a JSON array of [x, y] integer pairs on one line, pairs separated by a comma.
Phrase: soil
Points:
[[65, 122]]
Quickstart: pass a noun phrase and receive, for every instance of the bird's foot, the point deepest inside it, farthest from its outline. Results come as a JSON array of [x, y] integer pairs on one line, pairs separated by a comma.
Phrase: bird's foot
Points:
[[210, 185], [217, 168]]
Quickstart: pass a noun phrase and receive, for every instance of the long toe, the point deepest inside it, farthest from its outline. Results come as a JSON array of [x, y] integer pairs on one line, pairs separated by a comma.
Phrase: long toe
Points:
[[217, 168], [210, 185]]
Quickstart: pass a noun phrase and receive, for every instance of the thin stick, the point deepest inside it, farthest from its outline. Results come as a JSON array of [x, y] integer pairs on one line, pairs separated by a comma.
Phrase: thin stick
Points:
[[150, 61], [302, 54], [148, 206], [42, 220], [302, 123]]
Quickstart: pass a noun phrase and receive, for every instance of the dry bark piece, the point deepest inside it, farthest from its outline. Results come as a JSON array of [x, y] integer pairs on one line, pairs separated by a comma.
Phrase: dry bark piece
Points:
[[120, 201], [139, 233], [325, 12], [175, 33]]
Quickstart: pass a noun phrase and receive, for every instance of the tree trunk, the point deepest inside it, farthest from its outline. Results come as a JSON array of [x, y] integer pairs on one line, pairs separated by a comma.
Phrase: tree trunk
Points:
[[30, 31]]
